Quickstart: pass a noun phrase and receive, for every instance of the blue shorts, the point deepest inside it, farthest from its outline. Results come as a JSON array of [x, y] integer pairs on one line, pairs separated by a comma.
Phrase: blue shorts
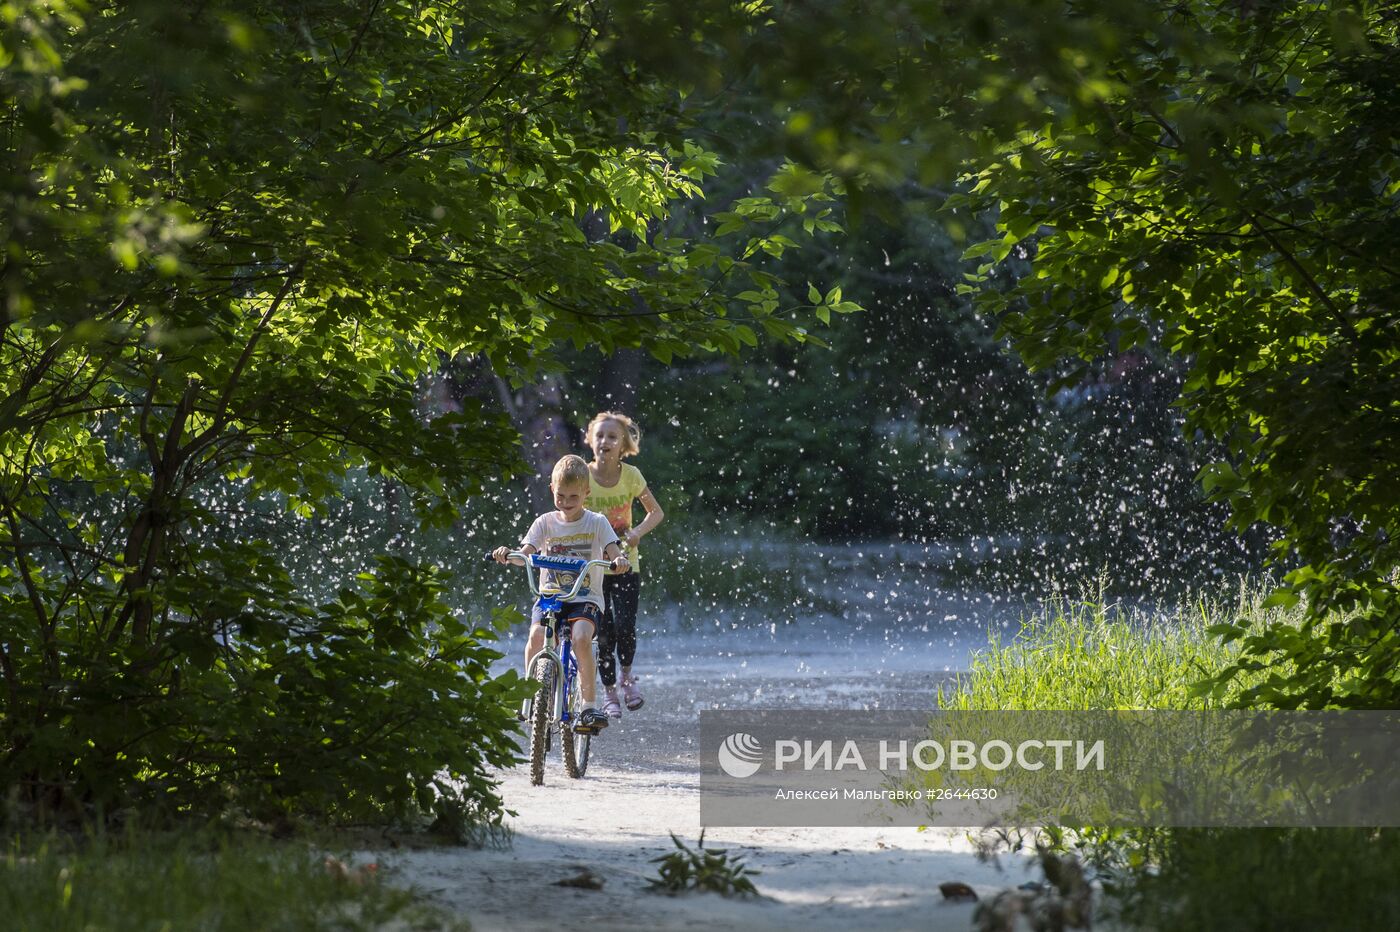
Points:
[[572, 612]]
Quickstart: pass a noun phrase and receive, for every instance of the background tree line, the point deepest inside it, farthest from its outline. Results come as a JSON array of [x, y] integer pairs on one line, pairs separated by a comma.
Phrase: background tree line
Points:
[[1215, 181]]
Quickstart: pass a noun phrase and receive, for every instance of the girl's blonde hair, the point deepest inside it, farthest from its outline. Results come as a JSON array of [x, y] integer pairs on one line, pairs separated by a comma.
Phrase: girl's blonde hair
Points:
[[631, 433]]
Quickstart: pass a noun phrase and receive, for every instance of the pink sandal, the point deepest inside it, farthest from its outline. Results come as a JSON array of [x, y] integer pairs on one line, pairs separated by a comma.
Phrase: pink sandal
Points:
[[631, 694], [611, 708]]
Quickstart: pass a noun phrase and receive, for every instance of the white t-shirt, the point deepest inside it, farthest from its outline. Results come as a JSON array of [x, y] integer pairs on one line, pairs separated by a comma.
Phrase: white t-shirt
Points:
[[587, 537]]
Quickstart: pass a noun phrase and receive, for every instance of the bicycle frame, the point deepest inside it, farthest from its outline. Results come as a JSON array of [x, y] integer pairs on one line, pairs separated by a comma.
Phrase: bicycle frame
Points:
[[560, 652]]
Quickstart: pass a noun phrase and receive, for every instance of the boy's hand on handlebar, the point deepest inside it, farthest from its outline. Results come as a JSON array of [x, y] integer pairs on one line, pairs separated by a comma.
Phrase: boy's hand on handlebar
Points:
[[620, 564], [499, 554]]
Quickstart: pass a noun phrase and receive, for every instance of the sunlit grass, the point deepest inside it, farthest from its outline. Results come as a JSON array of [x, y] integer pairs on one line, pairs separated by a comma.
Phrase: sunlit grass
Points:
[[1087, 652], [1090, 653], [164, 881]]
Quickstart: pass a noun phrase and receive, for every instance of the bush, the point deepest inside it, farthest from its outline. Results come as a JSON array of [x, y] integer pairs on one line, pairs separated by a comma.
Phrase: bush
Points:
[[375, 705]]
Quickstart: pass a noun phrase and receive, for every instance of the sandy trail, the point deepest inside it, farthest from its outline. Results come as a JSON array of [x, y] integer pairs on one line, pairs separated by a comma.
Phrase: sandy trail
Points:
[[643, 782]]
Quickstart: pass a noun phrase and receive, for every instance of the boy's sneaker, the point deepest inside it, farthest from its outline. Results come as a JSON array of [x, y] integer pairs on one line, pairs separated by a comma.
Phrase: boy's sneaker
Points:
[[591, 721], [631, 695], [611, 707]]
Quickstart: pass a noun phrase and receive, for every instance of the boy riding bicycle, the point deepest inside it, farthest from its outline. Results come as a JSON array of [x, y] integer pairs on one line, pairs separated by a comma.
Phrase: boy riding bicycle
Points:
[[572, 531]]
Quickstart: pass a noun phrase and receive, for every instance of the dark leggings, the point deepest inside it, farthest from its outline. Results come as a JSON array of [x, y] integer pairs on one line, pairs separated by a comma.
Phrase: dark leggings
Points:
[[618, 632]]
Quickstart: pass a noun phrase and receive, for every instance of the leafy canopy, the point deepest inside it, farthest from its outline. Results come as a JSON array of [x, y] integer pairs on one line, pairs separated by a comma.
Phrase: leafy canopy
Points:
[[1213, 176], [239, 238]]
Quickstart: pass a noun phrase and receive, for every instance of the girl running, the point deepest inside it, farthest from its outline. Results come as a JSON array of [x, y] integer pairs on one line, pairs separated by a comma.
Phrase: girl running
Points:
[[614, 487]]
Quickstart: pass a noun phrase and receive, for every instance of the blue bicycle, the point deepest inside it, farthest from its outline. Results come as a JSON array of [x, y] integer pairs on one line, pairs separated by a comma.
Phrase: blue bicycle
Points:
[[558, 702]]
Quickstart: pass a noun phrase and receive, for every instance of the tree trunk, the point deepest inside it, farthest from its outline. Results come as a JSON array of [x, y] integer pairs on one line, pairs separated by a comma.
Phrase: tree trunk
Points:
[[537, 411]]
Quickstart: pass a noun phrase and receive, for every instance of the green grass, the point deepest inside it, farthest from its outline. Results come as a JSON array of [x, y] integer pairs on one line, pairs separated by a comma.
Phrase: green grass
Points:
[[161, 881], [1088, 653], [1313, 879]]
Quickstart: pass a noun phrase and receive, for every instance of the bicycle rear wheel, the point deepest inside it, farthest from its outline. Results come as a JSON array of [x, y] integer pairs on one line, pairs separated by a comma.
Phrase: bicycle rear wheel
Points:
[[542, 672], [573, 744]]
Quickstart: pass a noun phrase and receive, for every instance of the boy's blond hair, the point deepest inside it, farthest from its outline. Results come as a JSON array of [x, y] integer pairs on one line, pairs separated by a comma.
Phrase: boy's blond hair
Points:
[[570, 471], [631, 433]]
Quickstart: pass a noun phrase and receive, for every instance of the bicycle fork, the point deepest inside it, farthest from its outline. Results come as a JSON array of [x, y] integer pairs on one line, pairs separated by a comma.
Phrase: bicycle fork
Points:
[[565, 669], [556, 679]]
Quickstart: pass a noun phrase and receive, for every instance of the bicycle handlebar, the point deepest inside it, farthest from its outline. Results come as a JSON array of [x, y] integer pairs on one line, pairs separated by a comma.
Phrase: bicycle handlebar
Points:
[[539, 561]]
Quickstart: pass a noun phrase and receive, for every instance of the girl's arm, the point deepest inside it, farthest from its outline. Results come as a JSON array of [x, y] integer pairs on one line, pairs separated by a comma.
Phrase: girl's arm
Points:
[[620, 563], [654, 517]]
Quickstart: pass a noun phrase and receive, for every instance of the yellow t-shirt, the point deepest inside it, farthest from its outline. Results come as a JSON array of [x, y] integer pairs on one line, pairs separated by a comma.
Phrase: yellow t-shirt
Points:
[[615, 502]]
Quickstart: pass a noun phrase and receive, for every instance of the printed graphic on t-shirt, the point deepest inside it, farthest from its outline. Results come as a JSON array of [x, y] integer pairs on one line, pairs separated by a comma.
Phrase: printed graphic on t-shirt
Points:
[[620, 518], [575, 545]]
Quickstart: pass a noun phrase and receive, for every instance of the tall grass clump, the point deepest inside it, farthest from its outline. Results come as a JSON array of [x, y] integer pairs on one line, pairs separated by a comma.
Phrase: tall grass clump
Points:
[[225, 884], [1087, 652]]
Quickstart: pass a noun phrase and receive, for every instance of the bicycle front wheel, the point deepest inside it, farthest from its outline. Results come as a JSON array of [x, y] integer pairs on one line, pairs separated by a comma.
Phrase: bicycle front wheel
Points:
[[574, 744], [542, 672]]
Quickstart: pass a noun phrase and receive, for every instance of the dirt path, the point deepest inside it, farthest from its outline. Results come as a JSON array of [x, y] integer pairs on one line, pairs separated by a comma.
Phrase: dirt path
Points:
[[643, 782]]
